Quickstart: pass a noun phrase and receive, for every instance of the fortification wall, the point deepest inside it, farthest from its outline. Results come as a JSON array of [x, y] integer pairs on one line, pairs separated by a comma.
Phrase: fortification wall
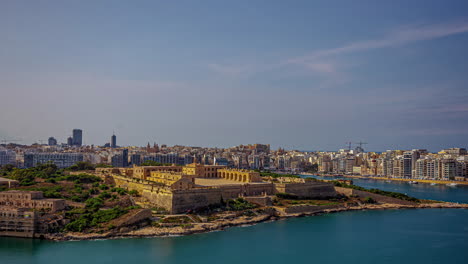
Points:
[[262, 201], [133, 217], [300, 209], [259, 189], [307, 190], [230, 191], [157, 196], [184, 200]]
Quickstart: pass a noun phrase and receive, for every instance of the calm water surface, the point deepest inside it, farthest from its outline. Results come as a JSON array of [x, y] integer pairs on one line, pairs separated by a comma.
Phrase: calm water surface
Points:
[[392, 236]]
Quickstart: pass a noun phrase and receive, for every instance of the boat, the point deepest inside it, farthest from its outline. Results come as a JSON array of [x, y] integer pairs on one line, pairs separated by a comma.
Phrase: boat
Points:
[[452, 184], [433, 183], [413, 182]]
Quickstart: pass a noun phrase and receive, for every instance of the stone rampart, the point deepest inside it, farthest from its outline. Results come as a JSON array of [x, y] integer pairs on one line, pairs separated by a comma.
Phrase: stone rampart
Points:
[[307, 189], [262, 200], [133, 217], [184, 200], [300, 209]]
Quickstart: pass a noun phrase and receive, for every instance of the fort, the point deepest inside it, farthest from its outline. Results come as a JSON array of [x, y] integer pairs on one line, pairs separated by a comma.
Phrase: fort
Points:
[[180, 189]]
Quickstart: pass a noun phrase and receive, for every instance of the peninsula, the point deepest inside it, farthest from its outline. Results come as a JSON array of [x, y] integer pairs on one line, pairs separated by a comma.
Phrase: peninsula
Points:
[[84, 202]]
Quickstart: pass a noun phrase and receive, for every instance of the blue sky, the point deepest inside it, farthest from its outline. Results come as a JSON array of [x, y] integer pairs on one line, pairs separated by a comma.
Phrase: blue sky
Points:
[[296, 74]]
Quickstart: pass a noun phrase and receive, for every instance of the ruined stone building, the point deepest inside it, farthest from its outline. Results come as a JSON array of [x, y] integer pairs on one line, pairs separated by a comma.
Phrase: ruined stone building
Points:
[[27, 213]]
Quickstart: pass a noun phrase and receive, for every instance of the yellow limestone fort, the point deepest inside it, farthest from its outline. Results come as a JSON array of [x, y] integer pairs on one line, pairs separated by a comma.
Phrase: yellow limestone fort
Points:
[[179, 189]]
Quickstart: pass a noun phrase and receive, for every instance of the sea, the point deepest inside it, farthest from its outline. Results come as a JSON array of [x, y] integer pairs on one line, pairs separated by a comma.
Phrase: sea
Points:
[[383, 236]]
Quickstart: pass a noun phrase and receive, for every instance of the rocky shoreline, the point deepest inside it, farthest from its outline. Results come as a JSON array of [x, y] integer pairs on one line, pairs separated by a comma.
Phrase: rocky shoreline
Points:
[[220, 225]]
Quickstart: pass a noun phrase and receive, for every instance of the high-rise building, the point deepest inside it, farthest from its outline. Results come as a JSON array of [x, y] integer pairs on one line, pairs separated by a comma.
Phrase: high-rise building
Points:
[[7, 157], [70, 141], [448, 169], [454, 151], [113, 143], [120, 160], [52, 141], [135, 159], [407, 164], [125, 157], [77, 137]]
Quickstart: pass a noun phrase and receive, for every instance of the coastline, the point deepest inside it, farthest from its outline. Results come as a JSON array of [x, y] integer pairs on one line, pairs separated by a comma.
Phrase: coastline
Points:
[[442, 182], [198, 228], [409, 180]]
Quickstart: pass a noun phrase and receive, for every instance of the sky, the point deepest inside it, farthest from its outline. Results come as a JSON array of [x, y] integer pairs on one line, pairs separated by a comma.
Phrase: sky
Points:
[[308, 75]]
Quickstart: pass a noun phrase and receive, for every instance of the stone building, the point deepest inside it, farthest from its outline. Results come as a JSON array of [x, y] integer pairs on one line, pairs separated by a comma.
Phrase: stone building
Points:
[[18, 222], [30, 199], [239, 175], [28, 214]]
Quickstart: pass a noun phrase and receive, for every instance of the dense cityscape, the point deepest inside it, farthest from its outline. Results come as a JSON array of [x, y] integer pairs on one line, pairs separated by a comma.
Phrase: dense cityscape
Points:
[[447, 164], [229, 132]]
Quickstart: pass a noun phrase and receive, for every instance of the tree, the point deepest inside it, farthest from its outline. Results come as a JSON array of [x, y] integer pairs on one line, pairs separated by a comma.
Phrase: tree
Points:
[[81, 165], [154, 163]]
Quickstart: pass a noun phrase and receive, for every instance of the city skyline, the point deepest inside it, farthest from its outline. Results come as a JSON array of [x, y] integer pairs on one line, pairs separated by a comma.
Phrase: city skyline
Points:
[[112, 143], [308, 76]]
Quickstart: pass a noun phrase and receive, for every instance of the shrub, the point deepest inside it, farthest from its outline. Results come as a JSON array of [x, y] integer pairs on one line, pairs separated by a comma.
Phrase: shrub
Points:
[[51, 180], [154, 163], [82, 178], [118, 190], [369, 200], [277, 175], [81, 165], [94, 219], [133, 193], [93, 191], [104, 195], [239, 204], [94, 203]]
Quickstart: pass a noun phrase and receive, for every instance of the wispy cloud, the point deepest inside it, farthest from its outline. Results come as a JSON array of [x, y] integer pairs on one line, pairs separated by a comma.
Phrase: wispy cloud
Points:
[[322, 67], [401, 36], [326, 62]]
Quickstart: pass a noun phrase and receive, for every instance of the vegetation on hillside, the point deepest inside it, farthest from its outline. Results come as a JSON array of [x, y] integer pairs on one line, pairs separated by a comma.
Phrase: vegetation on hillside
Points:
[[276, 175], [239, 204], [396, 195], [92, 216], [154, 163]]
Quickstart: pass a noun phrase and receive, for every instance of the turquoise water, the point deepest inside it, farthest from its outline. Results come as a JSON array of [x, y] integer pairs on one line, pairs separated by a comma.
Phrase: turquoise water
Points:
[[391, 236]]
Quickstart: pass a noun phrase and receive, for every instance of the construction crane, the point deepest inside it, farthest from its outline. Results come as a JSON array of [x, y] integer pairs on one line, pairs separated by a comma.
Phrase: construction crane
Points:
[[349, 145], [360, 143]]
